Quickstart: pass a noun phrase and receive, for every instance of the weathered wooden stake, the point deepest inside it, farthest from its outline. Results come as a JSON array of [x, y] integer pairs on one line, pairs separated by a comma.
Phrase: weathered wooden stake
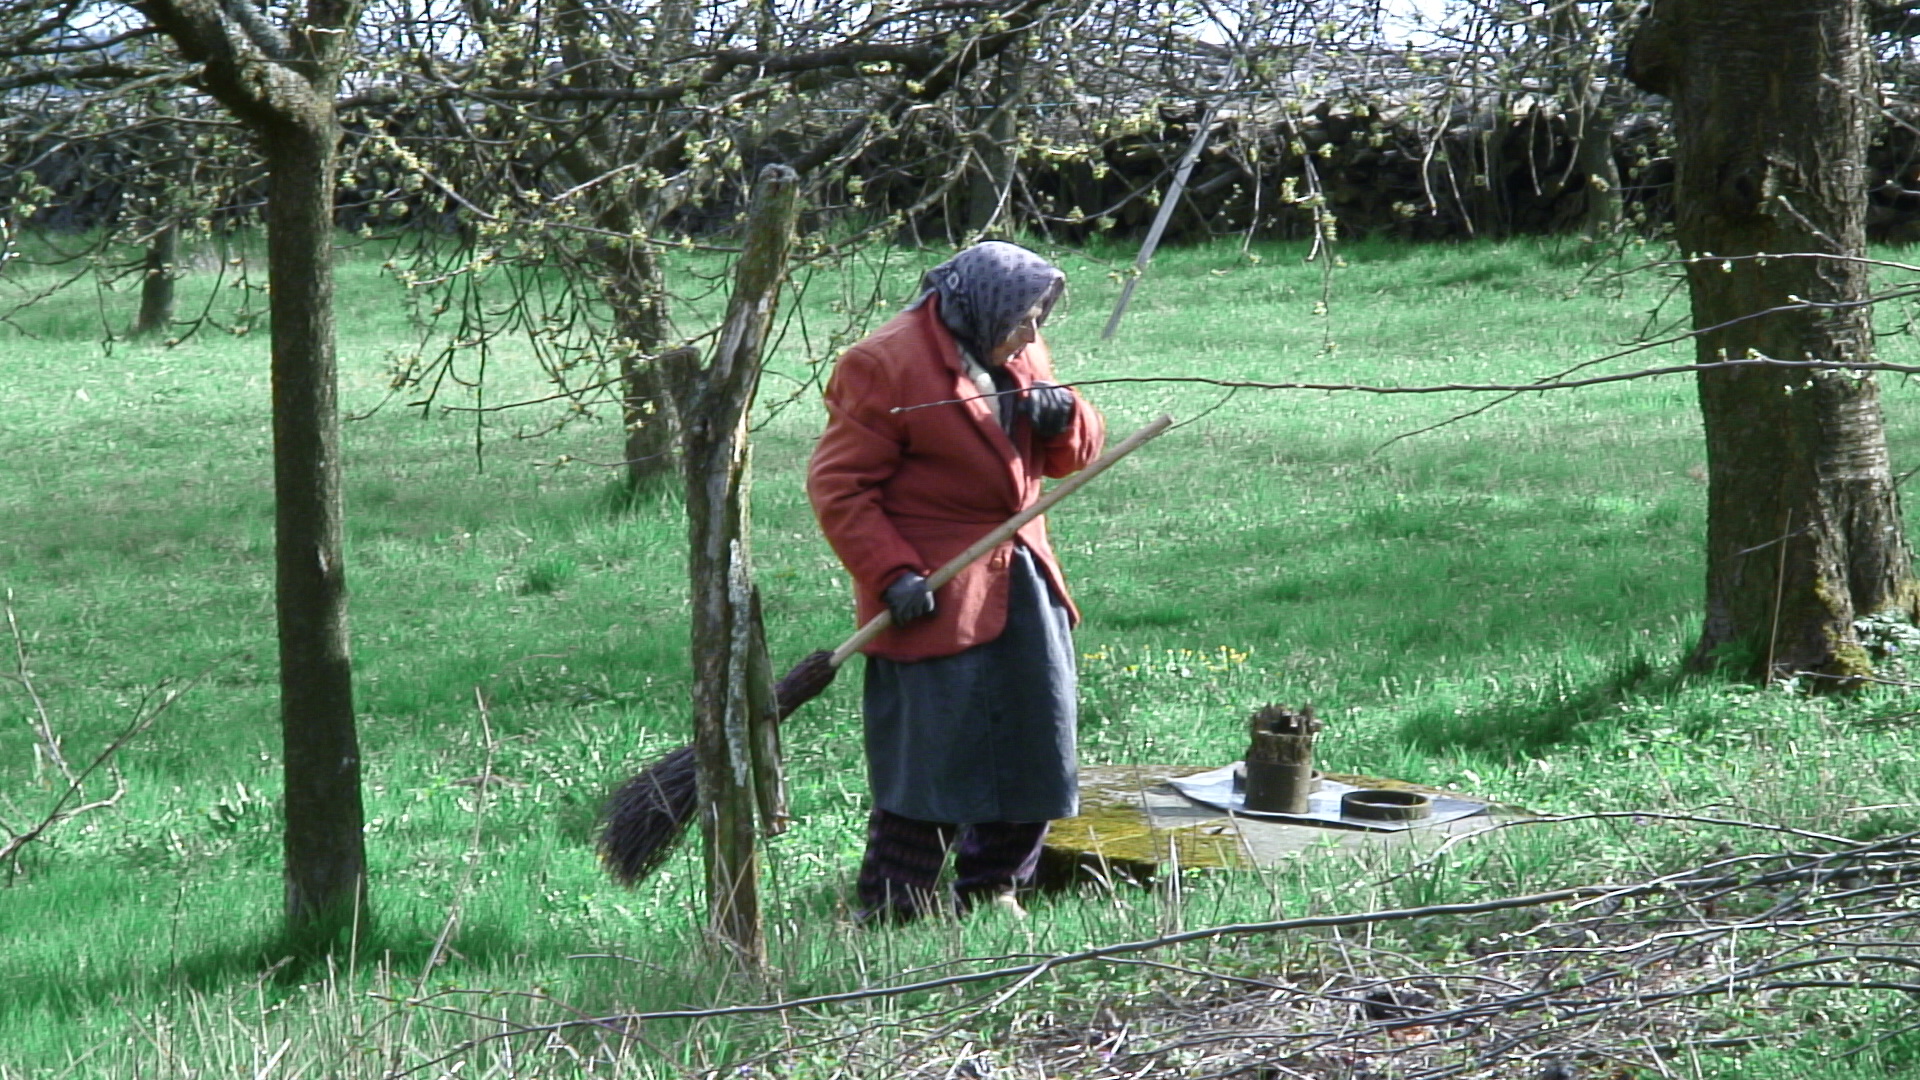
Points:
[[733, 707], [1167, 204]]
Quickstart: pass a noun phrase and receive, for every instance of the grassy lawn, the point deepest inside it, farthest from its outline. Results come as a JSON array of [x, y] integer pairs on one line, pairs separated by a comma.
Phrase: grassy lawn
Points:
[[1496, 604]]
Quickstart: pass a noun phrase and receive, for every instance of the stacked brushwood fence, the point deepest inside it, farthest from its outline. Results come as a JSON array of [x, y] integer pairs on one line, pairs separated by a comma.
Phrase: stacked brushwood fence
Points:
[[1364, 169], [1368, 170], [1277, 170]]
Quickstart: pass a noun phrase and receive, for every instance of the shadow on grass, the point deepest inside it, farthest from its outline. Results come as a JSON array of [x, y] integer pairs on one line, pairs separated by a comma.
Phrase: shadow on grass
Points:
[[272, 962], [659, 492], [1561, 711]]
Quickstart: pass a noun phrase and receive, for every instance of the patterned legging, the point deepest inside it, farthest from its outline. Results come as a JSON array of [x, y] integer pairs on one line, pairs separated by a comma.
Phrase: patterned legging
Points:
[[904, 857]]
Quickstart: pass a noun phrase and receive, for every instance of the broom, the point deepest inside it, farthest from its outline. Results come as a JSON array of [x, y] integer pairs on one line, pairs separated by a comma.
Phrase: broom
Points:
[[648, 814]]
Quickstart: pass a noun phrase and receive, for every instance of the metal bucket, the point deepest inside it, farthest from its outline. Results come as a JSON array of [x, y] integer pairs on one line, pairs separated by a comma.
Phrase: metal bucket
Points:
[[1279, 787]]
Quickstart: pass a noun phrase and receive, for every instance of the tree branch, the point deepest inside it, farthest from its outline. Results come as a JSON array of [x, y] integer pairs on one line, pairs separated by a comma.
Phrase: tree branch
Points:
[[43, 724], [1457, 388], [66, 74]]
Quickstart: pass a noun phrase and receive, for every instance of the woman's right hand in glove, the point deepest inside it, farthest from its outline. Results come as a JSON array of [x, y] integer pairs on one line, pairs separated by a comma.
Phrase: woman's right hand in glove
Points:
[[908, 598], [1048, 407]]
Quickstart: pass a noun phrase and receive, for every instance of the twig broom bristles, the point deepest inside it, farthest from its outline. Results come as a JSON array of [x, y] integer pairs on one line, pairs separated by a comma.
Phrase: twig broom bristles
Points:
[[648, 814]]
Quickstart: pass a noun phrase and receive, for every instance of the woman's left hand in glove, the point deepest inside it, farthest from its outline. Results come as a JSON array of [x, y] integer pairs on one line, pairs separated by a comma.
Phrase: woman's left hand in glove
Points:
[[1049, 408]]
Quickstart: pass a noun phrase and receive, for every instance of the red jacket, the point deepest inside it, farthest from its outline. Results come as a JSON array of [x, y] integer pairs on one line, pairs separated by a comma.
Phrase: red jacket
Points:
[[910, 490]]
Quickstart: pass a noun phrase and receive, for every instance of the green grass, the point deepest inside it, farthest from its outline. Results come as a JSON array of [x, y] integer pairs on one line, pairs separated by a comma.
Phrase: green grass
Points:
[[1497, 604]]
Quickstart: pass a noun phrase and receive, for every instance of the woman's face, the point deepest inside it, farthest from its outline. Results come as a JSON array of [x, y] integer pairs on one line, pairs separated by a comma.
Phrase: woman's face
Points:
[[1024, 334]]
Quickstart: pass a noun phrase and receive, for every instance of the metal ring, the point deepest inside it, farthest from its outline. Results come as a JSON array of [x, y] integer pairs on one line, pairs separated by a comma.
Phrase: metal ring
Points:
[[1385, 804]]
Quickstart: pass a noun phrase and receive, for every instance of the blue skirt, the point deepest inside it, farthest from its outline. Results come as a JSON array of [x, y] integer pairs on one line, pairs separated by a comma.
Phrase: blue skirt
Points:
[[986, 734]]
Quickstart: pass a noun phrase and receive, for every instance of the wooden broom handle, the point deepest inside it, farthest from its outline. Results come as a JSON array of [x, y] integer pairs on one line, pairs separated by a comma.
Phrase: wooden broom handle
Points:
[[1001, 532]]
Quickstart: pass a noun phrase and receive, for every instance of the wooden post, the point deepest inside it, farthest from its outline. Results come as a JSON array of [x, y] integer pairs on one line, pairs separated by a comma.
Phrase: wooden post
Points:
[[1172, 199], [733, 707]]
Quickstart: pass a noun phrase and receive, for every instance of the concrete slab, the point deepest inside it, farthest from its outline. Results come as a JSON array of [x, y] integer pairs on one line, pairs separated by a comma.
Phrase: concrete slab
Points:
[[1134, 826]]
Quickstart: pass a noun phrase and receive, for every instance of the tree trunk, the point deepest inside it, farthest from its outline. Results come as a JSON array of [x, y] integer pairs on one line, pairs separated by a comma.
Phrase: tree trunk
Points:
[[325, 855], [160, 271], [638, 297], [1803, 527], [161, 267], [1476, 174], [280, 82], [733, 705], [631, 280], [990, 174], [1575, 53], [1593, 158]]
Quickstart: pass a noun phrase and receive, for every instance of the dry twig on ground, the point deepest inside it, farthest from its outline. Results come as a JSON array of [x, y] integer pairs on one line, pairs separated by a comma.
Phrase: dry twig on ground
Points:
[[1626, 980], [1736, 951], [71, 801]]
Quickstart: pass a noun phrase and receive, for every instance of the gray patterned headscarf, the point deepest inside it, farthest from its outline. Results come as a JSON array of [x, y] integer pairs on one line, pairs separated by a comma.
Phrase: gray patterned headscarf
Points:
[[987, 289]]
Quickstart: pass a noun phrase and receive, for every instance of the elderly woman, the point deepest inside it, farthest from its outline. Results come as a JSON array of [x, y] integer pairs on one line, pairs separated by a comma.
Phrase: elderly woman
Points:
[[969, 696]]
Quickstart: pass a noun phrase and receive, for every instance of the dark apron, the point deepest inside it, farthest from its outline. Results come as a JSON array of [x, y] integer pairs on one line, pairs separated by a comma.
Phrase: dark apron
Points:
[[986, 734]]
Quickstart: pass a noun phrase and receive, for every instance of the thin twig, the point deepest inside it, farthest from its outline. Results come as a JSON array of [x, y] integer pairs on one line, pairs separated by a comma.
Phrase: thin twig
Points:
[[143, 718], [1458, 388], [43, 724]]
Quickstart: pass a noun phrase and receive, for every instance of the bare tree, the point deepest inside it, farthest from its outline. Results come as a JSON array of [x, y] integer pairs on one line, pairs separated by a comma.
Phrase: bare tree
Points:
[[164, 171], [589, 138], [120, 81], [1579, 43], [280, 80], [92, 152]]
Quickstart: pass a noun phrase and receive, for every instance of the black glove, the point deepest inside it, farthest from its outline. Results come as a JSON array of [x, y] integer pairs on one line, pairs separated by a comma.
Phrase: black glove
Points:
[[908, 598], [1048, 407]]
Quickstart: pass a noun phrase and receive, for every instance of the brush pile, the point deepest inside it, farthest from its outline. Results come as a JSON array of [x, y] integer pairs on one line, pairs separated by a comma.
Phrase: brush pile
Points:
[[1818, 946], [1739, 954], [1811, 949]]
